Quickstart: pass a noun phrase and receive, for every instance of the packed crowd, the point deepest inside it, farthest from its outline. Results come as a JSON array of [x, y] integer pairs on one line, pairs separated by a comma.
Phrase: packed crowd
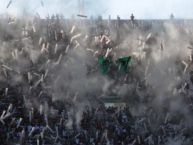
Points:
[[31, 54]]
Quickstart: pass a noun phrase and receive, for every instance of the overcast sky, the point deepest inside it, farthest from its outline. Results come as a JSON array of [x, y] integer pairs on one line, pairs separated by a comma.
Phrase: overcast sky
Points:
[[142, 9]]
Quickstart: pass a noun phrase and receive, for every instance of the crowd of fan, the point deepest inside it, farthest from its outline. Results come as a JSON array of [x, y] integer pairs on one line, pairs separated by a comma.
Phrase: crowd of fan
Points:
[[22, 122]]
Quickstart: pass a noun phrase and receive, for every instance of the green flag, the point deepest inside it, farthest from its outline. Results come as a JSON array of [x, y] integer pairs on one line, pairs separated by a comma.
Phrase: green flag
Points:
[[122, 63], [105, 64]]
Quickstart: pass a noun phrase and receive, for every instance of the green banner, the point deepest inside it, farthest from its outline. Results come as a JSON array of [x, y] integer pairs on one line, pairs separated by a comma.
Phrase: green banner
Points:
[[122, 64], [105, 64]]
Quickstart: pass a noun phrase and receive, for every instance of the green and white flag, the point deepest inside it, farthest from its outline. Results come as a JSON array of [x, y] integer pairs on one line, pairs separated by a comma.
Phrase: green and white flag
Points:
[[122, 64], [104, 64]]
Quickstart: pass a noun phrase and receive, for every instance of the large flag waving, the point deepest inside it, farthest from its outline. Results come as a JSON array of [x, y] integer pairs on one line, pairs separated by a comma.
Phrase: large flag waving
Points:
[[105, 64], [122, 63]]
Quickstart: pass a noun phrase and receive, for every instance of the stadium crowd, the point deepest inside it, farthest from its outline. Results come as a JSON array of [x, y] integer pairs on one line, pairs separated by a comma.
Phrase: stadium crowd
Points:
[[30, 116]]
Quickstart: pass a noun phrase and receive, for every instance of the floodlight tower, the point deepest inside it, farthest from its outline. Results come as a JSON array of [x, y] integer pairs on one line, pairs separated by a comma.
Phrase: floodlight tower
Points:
[[81, 7]]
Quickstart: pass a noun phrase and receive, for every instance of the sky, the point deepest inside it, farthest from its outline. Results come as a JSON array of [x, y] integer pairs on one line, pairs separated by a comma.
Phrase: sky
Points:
[[142, 9]]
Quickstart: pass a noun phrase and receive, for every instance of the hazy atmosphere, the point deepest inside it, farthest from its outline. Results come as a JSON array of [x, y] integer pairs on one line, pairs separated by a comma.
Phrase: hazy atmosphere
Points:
[[71, 77], [143, 9]]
